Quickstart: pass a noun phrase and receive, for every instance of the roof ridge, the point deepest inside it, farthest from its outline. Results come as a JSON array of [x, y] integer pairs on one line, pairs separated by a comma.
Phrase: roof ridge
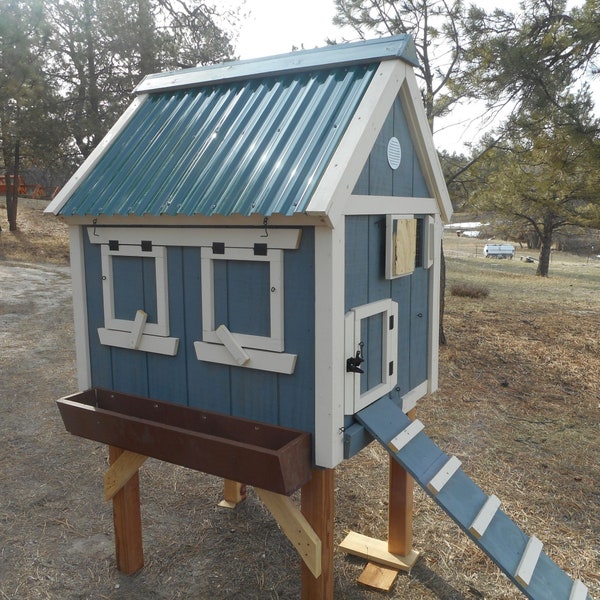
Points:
[[332, 56]]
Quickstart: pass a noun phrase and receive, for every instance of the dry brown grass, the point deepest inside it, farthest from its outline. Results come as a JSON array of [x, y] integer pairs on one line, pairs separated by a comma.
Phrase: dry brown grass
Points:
[[519, 404], [40, 238]]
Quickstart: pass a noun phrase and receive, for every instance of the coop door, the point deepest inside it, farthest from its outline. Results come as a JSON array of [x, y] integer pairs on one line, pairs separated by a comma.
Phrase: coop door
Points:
[[371, 343]]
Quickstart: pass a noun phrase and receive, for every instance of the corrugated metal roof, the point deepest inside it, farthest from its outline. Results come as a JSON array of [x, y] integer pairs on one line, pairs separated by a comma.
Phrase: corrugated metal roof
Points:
[[257, 146]]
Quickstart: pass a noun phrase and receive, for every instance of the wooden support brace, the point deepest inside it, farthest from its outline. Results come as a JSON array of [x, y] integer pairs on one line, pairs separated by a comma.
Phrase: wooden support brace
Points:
[[377, 551], [127, 521], [121, 471], [233, 494], [295, 526]]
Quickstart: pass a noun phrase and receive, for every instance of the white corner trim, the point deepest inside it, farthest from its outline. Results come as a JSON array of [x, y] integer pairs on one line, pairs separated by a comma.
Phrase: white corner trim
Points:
[[330, 362], [434, 308], [263, 360], [80, 317], [348, 160], [148, 343], [93, 159]]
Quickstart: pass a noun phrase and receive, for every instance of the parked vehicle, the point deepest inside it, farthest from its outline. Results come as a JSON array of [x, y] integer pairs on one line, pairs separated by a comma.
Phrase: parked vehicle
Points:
[[499, 251]]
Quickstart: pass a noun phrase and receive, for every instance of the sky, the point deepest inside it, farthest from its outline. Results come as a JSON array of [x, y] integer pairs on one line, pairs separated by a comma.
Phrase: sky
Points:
[[277, 26]]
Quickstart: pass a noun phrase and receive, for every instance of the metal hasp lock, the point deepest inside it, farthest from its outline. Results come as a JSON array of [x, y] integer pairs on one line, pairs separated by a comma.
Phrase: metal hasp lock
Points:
[[353, 363]]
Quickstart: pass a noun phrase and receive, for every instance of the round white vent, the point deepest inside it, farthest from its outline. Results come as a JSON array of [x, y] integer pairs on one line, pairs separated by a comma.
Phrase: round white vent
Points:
[[394, 153]]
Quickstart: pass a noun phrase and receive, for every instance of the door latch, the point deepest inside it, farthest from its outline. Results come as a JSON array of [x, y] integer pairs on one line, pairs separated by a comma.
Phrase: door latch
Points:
[[353, 363]]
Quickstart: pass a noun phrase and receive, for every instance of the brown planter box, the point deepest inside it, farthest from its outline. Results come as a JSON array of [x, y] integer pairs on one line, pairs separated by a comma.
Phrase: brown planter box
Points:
[[266, 456]]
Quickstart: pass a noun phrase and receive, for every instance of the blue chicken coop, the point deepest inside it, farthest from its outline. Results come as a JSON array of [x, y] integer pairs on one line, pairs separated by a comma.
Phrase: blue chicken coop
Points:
[[256, 262]]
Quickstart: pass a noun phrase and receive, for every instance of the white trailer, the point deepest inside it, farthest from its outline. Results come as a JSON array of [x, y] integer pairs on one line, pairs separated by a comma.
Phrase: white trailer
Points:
[[499, 251]]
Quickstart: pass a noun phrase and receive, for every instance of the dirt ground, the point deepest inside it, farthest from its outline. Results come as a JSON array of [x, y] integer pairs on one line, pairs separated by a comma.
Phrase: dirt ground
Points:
[[519, 404]]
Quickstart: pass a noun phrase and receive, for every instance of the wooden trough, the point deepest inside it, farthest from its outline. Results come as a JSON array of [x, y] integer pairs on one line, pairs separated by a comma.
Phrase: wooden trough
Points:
[[266, 456]]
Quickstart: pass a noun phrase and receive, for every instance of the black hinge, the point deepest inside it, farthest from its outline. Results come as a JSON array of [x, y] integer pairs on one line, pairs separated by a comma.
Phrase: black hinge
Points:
[[218, 247], [391, 322], [260, 249], [391, 368]]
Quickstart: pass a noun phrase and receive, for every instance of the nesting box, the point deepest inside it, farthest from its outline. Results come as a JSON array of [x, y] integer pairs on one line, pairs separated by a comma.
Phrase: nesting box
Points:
[[261, 239]]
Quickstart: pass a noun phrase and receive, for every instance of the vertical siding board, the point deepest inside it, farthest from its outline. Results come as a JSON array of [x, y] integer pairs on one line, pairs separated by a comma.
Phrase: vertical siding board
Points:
[[254, 394], [357, 261], [130, 371], [128, 286], [208, 383], [401, 293], [402, 180], [167, 375], [419, 326], [380, 172], [100, 356], [248, 298], [379, 286], [297, 391], [420, 188]]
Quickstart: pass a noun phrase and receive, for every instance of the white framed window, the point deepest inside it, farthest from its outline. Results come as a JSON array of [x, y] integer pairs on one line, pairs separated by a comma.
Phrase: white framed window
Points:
[[257, 283], [136, 312], [371, 336], [243, 306]]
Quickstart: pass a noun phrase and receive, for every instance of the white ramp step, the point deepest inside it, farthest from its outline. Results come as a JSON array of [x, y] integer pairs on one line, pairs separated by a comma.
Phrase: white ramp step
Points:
[[519, 556]]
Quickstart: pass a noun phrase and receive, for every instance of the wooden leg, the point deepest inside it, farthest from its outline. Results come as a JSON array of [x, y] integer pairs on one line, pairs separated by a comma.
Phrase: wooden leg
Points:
[[127, 522], [233, 493], [400, 508], [318, 508]]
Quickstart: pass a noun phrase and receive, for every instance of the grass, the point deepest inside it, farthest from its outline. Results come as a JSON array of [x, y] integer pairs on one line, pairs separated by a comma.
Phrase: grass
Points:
[[518, 403]]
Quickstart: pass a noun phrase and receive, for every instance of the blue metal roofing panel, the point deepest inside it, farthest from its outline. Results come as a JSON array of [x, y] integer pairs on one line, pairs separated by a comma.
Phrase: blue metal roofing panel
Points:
[[257, 146]]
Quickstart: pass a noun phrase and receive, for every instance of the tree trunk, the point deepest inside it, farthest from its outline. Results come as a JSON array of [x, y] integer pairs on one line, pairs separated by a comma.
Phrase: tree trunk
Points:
[[545, 250], [11, 164], [442, 295]]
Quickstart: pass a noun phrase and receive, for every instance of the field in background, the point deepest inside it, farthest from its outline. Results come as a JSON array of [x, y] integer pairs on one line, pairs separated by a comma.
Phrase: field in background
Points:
[[519, 404]]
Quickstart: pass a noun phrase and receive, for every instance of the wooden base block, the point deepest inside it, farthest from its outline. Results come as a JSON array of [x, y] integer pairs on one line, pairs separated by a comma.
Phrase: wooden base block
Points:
[[378, 577], [234, 493], [377, 551]]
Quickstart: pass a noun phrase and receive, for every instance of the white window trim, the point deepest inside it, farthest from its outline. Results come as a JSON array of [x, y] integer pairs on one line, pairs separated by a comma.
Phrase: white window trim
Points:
[[133, 333], [354, 400], [275, 341]]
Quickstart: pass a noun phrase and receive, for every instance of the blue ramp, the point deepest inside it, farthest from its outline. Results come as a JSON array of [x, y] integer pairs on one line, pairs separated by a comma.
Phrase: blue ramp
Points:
[[519, 556]]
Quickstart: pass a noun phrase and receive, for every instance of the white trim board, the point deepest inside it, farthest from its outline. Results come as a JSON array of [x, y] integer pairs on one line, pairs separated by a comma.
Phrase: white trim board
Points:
[[280, 238], [423, 143], [347, 163], [80, 317]]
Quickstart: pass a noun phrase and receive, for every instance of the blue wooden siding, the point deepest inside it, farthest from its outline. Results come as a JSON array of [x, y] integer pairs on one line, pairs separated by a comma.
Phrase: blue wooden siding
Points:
[[366, 283], [286, 400], [378, 178]]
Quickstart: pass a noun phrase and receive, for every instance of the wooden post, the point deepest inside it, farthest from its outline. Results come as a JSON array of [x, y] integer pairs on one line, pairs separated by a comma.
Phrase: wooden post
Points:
[[400, 507], [317, 506], [233, 493], [127, 521]]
